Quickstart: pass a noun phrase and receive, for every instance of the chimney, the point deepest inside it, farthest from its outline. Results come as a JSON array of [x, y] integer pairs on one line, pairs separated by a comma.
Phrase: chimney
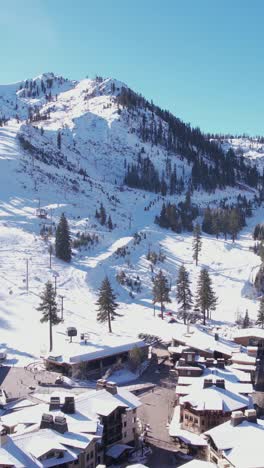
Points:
[[209, 362], [181, 362], [54, 403], [111, 388], [60, 424], [216, 336], [46, 421], [208, 383], [220, 363], [237, 417], [220, 383], [3, 436], [69, 405], [100, 384], [251, 415]]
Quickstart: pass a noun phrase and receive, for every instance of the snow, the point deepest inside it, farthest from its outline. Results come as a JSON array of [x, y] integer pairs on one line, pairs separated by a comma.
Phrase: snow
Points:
[[97, 138], [187, 437], [241, 444]]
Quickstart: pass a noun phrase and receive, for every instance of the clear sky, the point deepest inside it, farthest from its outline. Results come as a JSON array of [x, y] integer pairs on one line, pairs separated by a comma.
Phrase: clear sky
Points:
[[201, 59]]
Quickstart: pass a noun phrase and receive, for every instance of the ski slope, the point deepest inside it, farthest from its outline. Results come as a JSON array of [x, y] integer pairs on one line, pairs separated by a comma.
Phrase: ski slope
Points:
[[26, 184]]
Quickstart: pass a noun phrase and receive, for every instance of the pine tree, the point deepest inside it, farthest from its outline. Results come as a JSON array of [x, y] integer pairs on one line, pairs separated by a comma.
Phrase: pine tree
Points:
[[234, 224], [106, 304], [48, 307], [109, 223], [161, 291], [59, 139], [183, 293], [197, 243], [260, 317], [206, 299], [246, 321], [102, 214], [63, 240]]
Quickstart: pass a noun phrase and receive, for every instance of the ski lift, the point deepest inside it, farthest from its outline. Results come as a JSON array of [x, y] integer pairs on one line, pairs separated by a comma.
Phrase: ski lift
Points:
[[41, 213]]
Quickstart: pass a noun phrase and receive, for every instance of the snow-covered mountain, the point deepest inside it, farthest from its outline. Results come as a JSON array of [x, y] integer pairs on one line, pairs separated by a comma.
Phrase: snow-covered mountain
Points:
[[65, 146]]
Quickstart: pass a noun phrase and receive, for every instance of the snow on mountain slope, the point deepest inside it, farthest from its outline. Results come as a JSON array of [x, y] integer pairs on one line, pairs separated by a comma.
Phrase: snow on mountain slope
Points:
[[97, 139], [17, 100], [250, 148]]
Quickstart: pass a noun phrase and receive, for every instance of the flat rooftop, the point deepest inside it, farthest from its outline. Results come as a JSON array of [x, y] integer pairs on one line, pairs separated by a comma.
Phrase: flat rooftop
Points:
[[103, 346]]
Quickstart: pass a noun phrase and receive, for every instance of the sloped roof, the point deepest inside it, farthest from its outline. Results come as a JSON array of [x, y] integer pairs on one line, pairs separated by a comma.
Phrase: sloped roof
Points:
[[215, 399], [241, 444]]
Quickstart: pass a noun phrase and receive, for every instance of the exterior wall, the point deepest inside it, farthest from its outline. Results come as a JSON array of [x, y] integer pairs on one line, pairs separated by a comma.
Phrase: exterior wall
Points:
[[199, 422], [249, 341], [129, 421], [188, 372]]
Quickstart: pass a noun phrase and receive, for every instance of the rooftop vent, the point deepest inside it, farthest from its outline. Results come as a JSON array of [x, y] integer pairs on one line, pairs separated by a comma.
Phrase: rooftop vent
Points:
[[237, 417], [251, 415], [46, 421], [54, 403], [60, 424], [69, 405], [220, 383], [208, 383], [209, 362], [100, 384], [220, 363], [111, 387]]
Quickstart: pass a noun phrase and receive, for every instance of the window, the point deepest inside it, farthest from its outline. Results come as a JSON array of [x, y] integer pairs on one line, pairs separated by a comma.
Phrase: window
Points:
[[134, 420], [134, 430], [196, 420], [91, 454], [186, 416], [125, 434], [125, 424]]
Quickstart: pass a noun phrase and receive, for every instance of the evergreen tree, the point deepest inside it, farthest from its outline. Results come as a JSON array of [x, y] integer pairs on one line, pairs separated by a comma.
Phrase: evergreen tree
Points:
[[206, 299], [246, 321], [48, 307], [234, 224], [161, 291], [106, 304], [102, 214], [183, 293], [260, 317], [59, 139], [63, 240], [109, 223], [197, 243]]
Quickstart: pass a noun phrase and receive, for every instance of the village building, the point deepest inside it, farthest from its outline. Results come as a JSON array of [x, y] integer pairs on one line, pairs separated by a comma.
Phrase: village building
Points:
[[238, 442], [91, 359], [250, 337], [68, 428]]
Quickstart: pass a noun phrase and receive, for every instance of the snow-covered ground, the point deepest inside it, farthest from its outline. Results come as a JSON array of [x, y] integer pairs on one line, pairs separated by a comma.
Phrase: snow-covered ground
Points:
[[26, 184]]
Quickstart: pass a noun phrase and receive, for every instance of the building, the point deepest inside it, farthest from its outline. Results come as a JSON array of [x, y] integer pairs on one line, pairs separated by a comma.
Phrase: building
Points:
[[211, 406], [75, 429], [250, 337], [206, 343], [238, 442], [82, 357]]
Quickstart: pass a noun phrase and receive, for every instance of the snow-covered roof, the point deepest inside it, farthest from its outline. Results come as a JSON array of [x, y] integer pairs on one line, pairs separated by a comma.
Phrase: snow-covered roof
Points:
[[236, 382], [215, 399], [199, 464], [110, 345], [201, 339], [250, 332], [241, 444]]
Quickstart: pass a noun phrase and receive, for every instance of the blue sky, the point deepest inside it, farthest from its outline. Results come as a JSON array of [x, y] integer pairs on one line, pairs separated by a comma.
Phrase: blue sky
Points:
[[201, 59]]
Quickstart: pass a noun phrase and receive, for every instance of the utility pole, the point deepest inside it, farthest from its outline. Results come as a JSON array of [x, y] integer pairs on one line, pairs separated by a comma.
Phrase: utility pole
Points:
[[55, 276], [62, 298]]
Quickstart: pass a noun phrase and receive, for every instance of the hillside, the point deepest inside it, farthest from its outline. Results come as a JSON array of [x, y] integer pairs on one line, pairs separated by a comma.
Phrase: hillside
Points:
[[101, 136]]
